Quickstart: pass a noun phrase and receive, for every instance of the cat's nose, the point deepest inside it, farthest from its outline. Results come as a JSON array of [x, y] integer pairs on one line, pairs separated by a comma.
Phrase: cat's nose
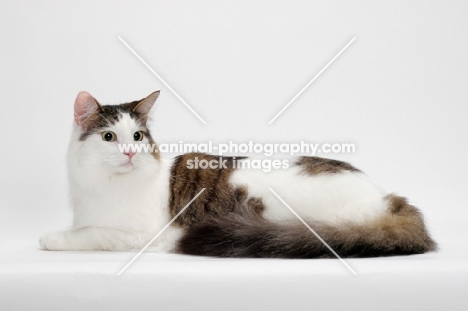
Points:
[[130, 154]]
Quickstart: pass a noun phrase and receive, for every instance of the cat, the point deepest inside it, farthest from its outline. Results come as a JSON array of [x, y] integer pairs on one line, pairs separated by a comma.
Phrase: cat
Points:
[[121, 200]]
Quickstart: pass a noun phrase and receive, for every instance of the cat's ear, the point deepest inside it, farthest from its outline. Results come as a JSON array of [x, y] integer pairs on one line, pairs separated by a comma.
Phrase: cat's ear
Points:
[[144, 106], [85, 107]]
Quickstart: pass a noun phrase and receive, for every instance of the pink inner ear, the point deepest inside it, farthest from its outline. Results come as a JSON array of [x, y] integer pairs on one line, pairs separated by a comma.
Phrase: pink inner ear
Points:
[[144, 106], [85, 105]]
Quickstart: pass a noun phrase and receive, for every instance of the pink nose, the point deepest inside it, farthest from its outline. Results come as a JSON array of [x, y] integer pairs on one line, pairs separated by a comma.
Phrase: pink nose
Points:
[[130, 154]]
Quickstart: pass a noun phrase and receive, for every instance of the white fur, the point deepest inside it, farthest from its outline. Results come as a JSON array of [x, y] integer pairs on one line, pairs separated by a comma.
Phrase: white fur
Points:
[[346, 196], [116, 205]]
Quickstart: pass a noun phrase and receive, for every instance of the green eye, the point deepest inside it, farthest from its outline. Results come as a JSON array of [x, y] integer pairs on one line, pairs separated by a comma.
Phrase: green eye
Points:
[[108, 136], [138, 136]]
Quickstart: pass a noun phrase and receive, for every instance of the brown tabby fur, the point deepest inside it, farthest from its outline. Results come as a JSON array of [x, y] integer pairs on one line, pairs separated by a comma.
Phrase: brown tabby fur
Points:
[[399, 232], [317, 166], [219, 197]]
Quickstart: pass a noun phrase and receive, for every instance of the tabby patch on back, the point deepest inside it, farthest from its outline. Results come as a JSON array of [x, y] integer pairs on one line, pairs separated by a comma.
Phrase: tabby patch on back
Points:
[[122, 198]]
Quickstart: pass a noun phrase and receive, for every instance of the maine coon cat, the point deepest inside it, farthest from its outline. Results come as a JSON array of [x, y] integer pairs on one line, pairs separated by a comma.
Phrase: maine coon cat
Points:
[[121, 200]]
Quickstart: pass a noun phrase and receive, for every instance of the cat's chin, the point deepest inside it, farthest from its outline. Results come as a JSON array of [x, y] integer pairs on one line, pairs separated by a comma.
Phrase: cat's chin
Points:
[[125, 168]]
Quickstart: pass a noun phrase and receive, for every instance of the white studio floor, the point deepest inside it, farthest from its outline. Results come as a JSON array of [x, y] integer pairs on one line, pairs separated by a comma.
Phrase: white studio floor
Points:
[[41, 280]]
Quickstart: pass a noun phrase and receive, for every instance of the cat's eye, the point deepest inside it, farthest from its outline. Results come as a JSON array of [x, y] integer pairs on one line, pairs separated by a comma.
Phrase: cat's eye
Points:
[[138, 136], [108, 136]]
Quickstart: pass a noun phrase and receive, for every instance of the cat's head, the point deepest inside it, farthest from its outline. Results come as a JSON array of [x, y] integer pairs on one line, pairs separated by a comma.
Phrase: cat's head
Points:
[[101, 134]]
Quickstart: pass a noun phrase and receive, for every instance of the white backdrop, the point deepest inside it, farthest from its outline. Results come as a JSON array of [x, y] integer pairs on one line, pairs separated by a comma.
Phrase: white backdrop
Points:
[[398, 92]]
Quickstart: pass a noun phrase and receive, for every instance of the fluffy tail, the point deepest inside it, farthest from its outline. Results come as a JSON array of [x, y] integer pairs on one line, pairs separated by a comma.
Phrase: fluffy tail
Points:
[[401, 231]]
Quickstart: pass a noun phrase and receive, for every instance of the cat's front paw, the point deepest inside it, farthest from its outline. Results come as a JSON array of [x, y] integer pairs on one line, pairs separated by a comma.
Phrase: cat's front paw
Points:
[[53, 241]]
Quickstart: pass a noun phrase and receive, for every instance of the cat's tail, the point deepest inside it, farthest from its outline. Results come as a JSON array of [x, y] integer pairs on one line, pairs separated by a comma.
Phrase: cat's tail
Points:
[[400, 231]]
